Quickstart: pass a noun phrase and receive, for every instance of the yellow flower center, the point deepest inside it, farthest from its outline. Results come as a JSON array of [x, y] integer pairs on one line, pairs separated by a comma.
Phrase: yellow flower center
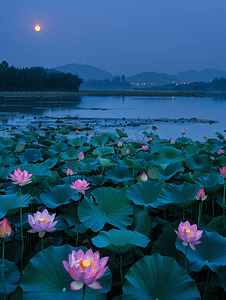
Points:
[[42, 220], [84, 263], [189, 232]]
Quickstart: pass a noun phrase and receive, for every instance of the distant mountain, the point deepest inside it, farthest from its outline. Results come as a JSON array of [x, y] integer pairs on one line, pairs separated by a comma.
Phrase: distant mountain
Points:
[[150, 79], [201, 76], [85, 71], [49, 71]]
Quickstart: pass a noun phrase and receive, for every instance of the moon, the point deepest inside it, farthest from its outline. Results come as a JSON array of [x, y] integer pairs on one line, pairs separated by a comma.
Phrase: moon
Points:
[[37, 28]]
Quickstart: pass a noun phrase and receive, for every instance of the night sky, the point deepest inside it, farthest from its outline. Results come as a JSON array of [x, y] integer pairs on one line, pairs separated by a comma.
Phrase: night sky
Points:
[[120, 36]]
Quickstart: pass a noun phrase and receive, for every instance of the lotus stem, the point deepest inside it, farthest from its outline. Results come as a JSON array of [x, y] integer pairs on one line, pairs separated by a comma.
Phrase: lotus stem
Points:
[[224, 209], [213, 205], [3, 277], [42, 243], [183, 214], [121, 269], [78, 221], [21, 229], [207, 281], [200, 211], [84, 292], [186, 259], [69, 179]]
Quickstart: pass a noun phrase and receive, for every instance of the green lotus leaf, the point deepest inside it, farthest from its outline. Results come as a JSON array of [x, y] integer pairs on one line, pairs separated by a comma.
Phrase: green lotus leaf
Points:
[[6, 142], [39, 171], [97, 180], [104, 162], [71, 218], [219, 135], [119, 173], [158, 277], [12, 201], [180, 196], [199, 162], [51, 162], [11, 276], [32, 155], [4, 173], [98, 140], [77, 142], [130, 147], [141, 220], [219, 279], [70, 154], [167, 155], [209, 149], [171, 170], [121, 133], [165, 245], [102, 151], [144, 157], [46, 278], [58, 147], [216, 224], [60, 194], [153, 172], [187, 177], [111, 206], [145, 193], [120, 241], [191, 149], [26, 138], [212, 183], [132, 163], [20, 147], [72, 164], [211, 252], [7, 158], [183, 140]]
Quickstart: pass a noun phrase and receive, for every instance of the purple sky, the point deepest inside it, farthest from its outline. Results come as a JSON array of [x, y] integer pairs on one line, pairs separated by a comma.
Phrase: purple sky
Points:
[[120, 36]]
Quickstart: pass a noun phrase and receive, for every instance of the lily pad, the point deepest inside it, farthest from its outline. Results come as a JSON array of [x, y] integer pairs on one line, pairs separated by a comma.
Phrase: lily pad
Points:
[[98, 140], [11, 276], [167, 155], [212, 182], [119, 173], [141, 220], [158, 277], [199, 162], [12, 201], [103, 151], [120, 241]]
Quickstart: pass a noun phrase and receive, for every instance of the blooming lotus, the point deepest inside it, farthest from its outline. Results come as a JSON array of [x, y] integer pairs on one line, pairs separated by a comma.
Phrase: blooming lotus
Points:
[[150, 139], [145, 148], [81, 156], [223, 172], [220, 151], [173, 142], [20, 177], [76, 131], [201, 195], [189, 234], [5, 229], [80, 185], [144, 177], [85, 268], [42, 222], [69, 172]]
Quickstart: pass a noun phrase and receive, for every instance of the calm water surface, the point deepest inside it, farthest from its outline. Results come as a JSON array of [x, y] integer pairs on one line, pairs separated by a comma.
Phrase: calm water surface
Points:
[[30, 111]]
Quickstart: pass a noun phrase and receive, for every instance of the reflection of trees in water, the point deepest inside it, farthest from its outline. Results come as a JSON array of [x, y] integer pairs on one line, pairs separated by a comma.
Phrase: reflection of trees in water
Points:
[[36, 106], [220, 98]]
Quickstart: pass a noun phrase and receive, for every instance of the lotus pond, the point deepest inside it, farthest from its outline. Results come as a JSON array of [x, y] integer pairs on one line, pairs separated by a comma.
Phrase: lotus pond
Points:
[[100, 217]]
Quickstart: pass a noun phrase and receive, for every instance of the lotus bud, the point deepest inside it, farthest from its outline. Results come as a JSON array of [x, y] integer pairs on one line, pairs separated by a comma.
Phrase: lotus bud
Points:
[[144, 177], [119, 144], [81, 156], [69, 172]]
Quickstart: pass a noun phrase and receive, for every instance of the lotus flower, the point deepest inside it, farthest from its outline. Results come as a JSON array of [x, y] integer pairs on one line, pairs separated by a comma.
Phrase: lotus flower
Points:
[[5, 229], [69, 172], [81, 156], [223, 172], [201, 195], [87, 133], [20, 177], [173, 142], [80, 185], [220, 151], [144, 177], [150, 139], [205, 137], [85, 268], [76, 131], [224, 138], [192, 141], [145, 148], [128, 151], [183, 132], [42, 222], [119, 144], [189, 234]]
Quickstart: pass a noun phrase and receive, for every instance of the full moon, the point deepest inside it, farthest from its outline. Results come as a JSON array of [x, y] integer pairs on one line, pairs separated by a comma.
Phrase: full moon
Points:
[[37, 28]]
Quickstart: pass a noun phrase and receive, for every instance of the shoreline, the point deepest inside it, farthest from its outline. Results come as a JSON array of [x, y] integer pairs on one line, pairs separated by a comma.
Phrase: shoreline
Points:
[[102, 93]]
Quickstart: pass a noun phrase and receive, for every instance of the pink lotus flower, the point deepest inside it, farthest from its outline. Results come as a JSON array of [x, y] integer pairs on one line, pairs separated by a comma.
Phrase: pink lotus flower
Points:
[[150, 139], [205, 137], [100, 175], [173, 142], [119, 144], [128, 151], [192, 140], [189, 234], [20, 178], [201, 195], [145, 148], [80, 185], [220, 151], [183, 132], [85, 268], [69, 172], [223, 172], [144, 177], [81, 156], [42, 222], [224, 138], [5, 229], [76, 131], [57, 134]]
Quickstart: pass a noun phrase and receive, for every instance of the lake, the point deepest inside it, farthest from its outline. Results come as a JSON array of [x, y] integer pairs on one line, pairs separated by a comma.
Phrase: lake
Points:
[[109, 112]]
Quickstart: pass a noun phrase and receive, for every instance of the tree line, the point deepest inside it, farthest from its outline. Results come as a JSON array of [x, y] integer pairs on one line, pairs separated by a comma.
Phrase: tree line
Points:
[[36, 79]]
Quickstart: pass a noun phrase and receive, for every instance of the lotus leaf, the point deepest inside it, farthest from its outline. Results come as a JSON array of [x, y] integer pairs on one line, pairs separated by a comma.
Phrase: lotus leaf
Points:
[[167, 155], [39, 171], [191, 149], [132, 163], [144, 157], [199, 162], [121, 133], [141, 220], [153, 172], [112, 206], [102, 151], [11, 276], [98, 140], [11, 201], [119, 173], [158, 277], [70, 154], [212, 183], [171, 170], [77, 142]]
